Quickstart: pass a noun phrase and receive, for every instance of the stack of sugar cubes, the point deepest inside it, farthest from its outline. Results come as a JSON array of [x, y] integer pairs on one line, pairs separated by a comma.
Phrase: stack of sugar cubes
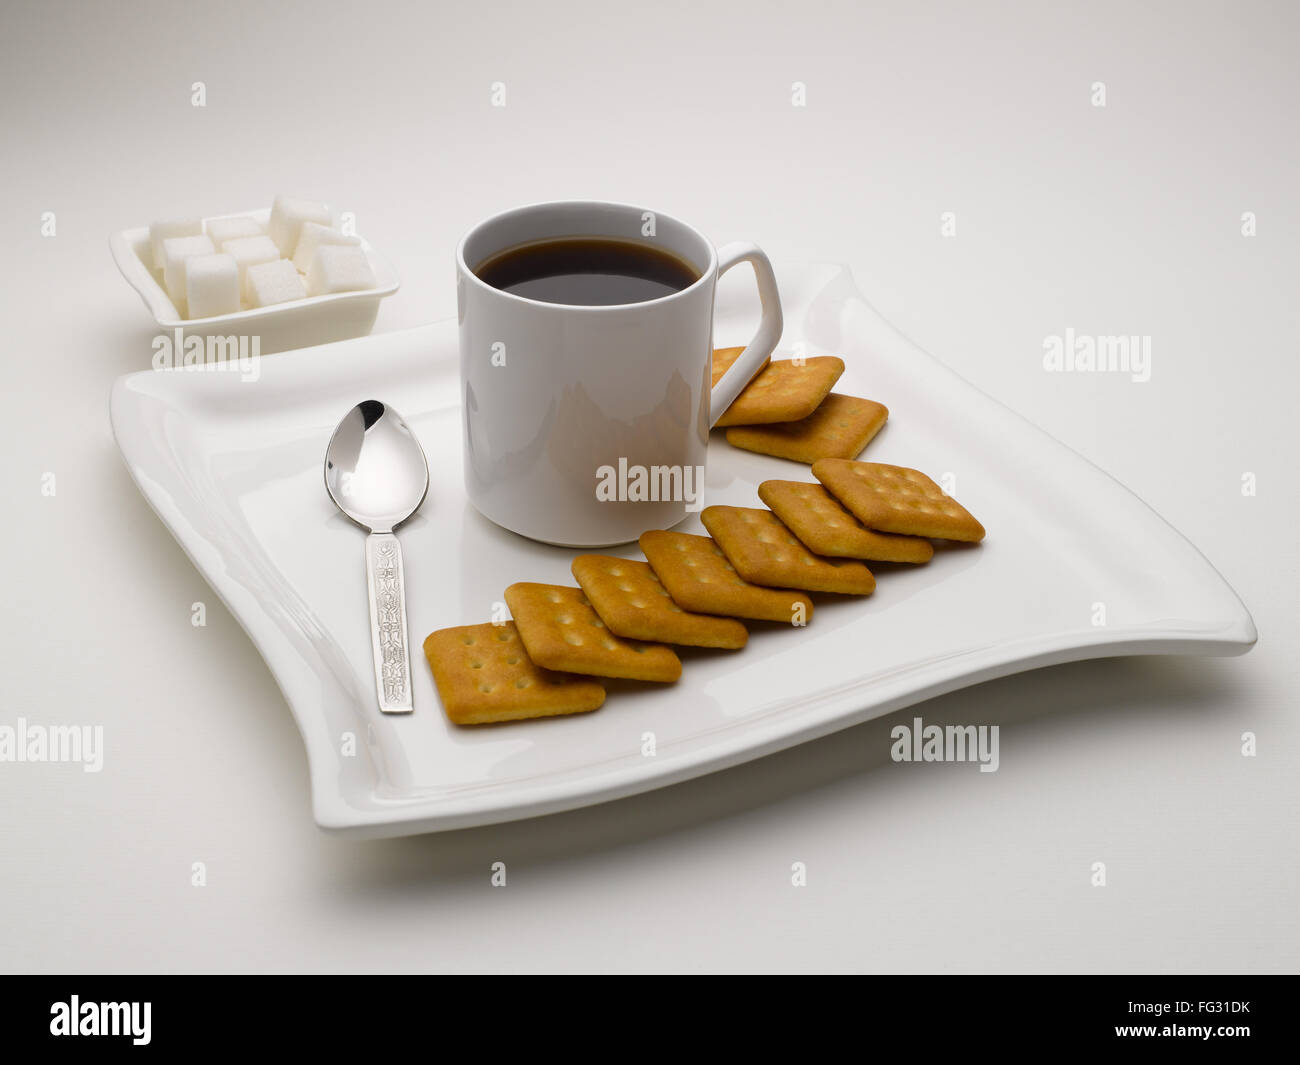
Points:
[[231, 264]]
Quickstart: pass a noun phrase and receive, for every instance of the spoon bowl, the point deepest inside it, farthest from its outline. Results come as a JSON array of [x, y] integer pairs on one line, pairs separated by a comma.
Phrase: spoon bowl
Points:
[[375, 469]]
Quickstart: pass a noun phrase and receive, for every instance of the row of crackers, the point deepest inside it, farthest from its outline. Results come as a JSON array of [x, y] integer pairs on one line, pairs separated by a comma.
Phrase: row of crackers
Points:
[[756, 564]]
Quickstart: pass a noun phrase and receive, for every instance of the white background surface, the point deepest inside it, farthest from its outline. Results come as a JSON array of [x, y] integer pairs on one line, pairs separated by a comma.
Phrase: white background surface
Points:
[[1116, 220]]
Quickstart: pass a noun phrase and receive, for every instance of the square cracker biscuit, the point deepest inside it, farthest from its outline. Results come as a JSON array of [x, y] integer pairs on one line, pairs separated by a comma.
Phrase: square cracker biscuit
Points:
[[699, 577], [484, 675], [840, 428], [634, 604], [896, 499], [785, 392], [765, 552], [826, 528], [561, 631], [724, 359]]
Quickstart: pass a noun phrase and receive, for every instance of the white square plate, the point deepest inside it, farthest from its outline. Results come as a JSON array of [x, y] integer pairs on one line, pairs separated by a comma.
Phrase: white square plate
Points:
[[233, 468]]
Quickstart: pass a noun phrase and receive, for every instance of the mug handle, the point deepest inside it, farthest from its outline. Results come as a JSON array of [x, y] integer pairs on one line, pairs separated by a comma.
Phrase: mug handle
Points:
[[769, 327]]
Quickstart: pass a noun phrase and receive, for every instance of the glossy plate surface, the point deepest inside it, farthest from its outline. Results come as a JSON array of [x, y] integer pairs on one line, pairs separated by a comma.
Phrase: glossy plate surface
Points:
[[233, 468]]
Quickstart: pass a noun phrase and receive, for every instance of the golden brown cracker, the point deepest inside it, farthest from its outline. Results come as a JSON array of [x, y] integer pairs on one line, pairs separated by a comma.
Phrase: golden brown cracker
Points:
[[785, 392], [699, 578], [840, 428], [765, 552], [896, 499], [725, 358], [561, 631], [484, 675], [633, 603], [826, 528]]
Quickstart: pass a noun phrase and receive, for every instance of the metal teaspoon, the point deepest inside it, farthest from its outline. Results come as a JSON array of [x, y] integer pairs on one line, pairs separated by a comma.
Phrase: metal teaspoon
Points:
[[376, 473]]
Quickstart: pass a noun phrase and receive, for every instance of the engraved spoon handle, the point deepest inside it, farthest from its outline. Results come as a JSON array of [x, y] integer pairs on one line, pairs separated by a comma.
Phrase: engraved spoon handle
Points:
[[388, 622]]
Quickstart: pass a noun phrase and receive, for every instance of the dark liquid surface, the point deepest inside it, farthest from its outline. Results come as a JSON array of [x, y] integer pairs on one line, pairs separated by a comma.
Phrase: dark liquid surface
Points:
[[587, 271]]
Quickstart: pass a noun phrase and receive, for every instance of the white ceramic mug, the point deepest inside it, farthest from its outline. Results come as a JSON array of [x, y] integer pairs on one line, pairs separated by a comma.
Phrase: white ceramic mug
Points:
[[585, 426]]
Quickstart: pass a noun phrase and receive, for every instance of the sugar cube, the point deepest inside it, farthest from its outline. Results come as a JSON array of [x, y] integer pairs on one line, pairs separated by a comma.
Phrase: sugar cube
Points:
[[313, 235], [249, 251], [160, 231], [287, 216], [175, 250], [221, 230], [211, 285], [275, 282], [339, 268]]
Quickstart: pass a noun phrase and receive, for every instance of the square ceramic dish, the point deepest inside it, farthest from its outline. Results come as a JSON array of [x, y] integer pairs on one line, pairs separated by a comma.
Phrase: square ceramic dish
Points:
[[298, 324], [233, 468]]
